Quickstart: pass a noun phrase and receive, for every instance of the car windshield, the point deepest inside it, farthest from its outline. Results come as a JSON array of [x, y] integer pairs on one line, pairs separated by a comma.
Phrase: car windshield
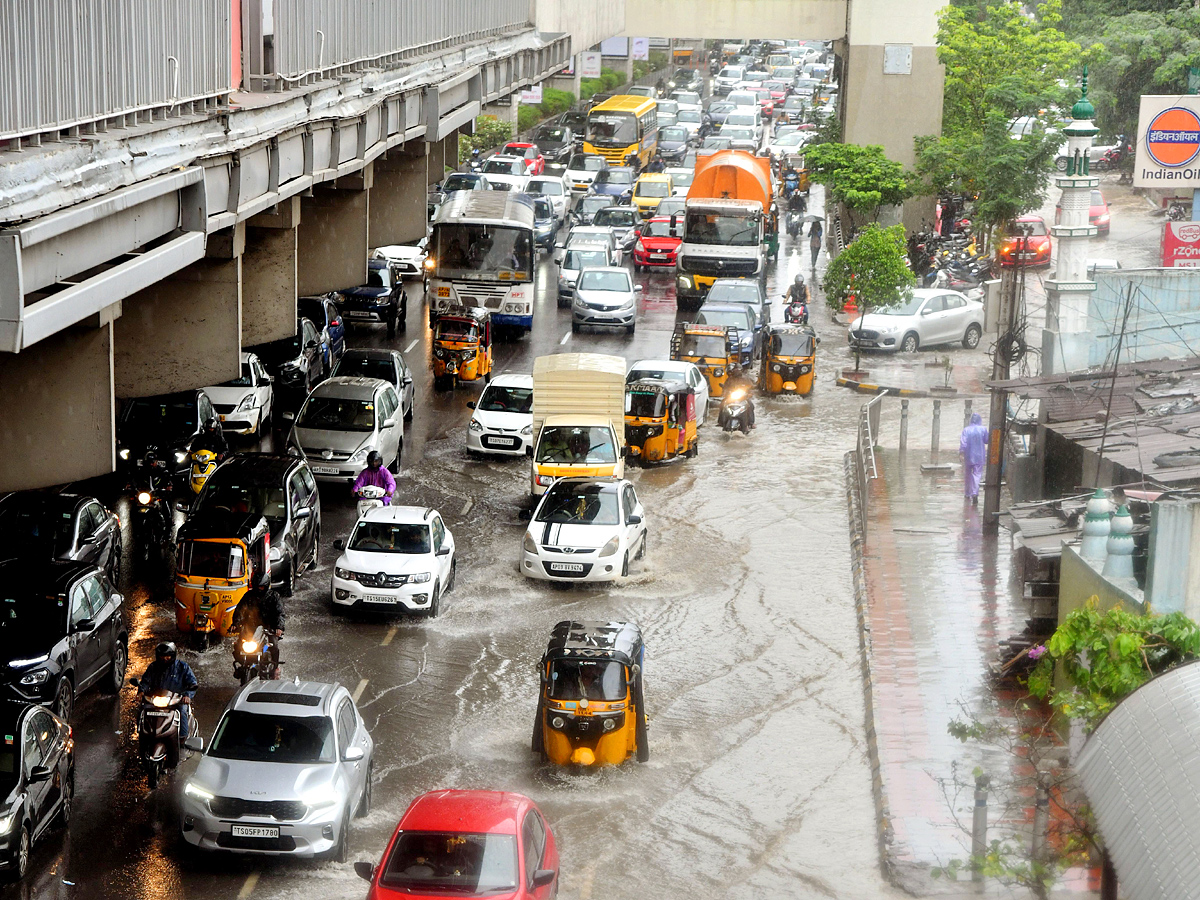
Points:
[[579, 259], [573, 679], [672, 206], [594, 204], [653, 189], [388, 537], [645, 404], [689, 115], [311, 309], [738, 133], [477, 251], [228, 495], [1036, 229], [337, 414], [546, 188], [716, 143], [908, 308], [673, 134], [599, 280], [502, 398], [615, 217], [278, 739], [576, 445], [366, 367], [657, 229], [731, 72], [715, 228], [615, 176], [551, 135], [460, 181], [428, 862], [706, 346], [165, 421], [737, 318], [29, 622], [246, 379], [735, 292], [211, 559], [587, 163], [612, 130], [542, 208], [793, 104], [580, 504], [457, 330], [789, 344], [689, 98], [791, 139], [502, 167], [34, 524]]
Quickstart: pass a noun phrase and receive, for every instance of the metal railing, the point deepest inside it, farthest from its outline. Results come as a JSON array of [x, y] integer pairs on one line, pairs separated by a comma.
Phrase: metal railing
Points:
[[864, 452], [310, 40], [80, 64]]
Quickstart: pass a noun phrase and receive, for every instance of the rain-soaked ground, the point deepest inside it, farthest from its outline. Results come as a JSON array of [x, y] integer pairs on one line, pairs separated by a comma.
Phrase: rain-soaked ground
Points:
[[758, 783]]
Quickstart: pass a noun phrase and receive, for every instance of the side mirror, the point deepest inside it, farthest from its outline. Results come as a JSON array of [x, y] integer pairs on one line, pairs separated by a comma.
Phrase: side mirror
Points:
[[310, 345], [443, 551], [637, 288], [84, 626], [289, 417], [389, 423], [408, 379], [302, 513], [38, 774], [352, 754], [195, 743], [364, 870], [339, 544], [470, 404], [543, 877], [634, 520]]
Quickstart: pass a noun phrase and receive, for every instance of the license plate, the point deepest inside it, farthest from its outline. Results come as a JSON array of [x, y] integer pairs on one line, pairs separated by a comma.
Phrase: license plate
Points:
[[359, 314], [658, 256], [256, 831], [158, 713], [325, 470], [505, 442], [566, 567], [377, 598]]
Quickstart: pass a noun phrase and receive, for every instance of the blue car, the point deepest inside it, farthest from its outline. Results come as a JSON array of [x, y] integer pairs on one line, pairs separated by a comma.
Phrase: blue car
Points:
[[545, 223], [616, 181], [381, 299], [325, 315], [741, 316]]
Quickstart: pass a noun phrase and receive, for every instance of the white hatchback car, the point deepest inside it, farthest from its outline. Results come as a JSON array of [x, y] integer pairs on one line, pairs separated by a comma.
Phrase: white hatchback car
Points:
[[674, 370], [245, 403], [503, 418], [398, 559], [584, 529]]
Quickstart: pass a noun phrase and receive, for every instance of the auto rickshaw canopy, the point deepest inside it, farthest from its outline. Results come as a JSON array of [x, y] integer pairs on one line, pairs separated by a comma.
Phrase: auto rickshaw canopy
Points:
[[683, 343], [600, 641], [472, 316], [659, 388], [219, 526]]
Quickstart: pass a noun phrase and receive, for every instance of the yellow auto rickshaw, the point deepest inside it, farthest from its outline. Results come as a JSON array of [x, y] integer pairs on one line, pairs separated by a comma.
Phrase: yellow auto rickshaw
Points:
[[591, 710], [660, 420], [713, 348], [220, 555], [790, 359], [462, 346]]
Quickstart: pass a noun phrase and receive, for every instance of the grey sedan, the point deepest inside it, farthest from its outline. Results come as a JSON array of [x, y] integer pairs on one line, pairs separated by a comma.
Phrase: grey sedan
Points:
[[607, 297], [386, 365]]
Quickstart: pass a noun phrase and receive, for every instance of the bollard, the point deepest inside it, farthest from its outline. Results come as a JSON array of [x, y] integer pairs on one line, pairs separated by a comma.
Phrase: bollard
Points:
[[903, 425], [937, 429], [966, 412], [1041, 820], [979, 827]]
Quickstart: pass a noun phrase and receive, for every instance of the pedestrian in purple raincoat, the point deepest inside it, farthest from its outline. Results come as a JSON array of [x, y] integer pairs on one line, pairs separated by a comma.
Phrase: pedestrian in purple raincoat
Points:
[[972, 446]]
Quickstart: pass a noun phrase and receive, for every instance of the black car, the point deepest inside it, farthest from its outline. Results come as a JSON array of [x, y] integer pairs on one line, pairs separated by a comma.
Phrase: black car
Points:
[[40, 526], [576, 120], [164, 425], [297, 364], [673, 144], [556, 143], [37, 780], [686, 80], [283, 490], [718, 111], [381, 299], [388, 365], [62, 631]]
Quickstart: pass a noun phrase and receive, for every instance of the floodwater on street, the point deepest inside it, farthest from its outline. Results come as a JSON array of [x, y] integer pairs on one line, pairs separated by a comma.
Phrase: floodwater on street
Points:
[[758, 782]]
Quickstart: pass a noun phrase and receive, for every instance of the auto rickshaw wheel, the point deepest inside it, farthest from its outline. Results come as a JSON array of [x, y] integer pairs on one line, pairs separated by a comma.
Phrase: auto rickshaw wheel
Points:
[[487, 377]]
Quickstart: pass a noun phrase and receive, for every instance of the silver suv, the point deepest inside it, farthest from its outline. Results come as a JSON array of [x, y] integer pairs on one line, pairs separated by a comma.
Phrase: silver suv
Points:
[[289, 764], [343, 420]]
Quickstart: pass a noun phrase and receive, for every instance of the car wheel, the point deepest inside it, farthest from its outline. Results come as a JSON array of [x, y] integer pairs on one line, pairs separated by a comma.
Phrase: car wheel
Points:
[[337, 853], [642, 550], [21, 857], [64, 699], [116, 674], [453, 575], [289, 579], [364, 805], [408, 414], [316, 551], [629, 329], [625, 565], [435, 605], [64, 811], [391, 326], [910, 343], [114, 566], [394, 468], [971, 338], [563, 304]]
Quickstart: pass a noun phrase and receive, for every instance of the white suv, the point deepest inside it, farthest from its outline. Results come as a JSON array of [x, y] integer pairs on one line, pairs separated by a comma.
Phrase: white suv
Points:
[[398, 559]]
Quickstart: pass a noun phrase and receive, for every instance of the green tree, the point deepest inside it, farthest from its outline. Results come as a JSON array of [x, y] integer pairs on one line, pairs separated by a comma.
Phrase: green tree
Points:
[[862, 178], [489, 132]]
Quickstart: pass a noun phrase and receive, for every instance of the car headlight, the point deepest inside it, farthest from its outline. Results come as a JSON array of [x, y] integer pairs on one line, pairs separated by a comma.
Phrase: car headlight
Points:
[[639, 247], [194, 790], [38, 677], [276, 554], [246, 404], [474, 425], [563, 283], [123, 453], [529, 544], [419, 578], [324, 796], [611, 547], [527, 430], [180, 457], [359, 455], [6, 823], [345, 574]]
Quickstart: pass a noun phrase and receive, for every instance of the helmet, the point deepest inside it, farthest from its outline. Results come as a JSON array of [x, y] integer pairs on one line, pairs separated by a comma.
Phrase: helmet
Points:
[[165, 652], [374, 459], [799, 281]]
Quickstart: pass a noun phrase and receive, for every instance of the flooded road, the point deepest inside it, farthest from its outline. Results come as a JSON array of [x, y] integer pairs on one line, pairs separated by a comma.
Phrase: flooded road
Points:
[[757, 783]]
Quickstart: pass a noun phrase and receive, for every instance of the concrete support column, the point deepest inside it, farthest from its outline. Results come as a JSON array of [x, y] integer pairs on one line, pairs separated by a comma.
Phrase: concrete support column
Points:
[[398, 210], [444, 153], [183, 332], [269, 265], [57, 409], [331, 245]]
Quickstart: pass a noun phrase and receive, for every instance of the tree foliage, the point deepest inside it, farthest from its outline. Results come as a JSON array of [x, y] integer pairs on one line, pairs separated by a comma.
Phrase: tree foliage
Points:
[[1107, 656], [872, 268], [862, 178], [489, 132]]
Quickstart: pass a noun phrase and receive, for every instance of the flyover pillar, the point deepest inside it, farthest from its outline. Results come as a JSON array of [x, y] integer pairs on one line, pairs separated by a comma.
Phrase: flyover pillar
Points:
[[332, 239], [443, 153], [57, 409], [184, 331], [269, 266], [398, 209]]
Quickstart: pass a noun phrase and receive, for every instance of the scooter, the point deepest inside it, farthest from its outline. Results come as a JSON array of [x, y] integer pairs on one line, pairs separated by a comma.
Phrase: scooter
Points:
[[252, 656], [369, 497], [204, 463], [152, 515], [158, 721], [734, 415], [793, 221], [791, 184], [475, 164], [795, 311]]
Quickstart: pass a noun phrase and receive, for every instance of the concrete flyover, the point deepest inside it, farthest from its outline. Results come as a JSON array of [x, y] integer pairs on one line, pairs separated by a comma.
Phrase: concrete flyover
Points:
[[171, 185]]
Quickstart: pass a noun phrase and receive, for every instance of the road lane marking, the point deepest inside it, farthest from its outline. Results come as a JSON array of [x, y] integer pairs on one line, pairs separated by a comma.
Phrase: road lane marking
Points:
[[413, 344], [387, 638], [467, 507], [248, 886], [566, 337], [358, 691]]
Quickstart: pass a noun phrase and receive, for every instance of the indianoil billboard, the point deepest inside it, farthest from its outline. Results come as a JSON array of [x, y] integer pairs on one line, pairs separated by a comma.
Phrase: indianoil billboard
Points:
[[1168, 142]]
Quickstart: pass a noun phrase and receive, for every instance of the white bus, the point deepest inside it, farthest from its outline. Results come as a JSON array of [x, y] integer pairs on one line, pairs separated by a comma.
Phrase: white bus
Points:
[[482, 255]]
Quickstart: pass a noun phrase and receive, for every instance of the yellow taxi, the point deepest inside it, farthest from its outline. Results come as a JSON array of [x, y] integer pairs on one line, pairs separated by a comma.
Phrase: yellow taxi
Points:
[[648, 191]]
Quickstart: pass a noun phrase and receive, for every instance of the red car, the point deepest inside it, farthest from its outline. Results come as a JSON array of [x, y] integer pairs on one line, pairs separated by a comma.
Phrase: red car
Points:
[[535, 163], [765, 102], [1098, 213], [467, 843], [779, 91], [1036, 252], [656, 246]]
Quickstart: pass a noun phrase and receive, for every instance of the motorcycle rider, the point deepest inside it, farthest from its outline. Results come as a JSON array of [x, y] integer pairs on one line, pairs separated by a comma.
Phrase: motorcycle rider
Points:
[[376, 475], [797, 203], [211, 437], [170, 673], [263, 607], [798, 292], [656, 164], [739, 379]]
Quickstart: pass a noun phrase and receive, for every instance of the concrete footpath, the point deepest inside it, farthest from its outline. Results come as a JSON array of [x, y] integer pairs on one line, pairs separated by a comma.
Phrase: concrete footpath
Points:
[[935, 597]]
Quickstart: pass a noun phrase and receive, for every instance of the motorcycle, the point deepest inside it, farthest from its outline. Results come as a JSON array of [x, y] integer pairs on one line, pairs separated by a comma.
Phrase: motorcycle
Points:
[[791, 184], [475, 163], [204, 463], [158, 720], [795, 311], [734, 415], [793, 222], [369, 497], [152, 515], [1177, 212], [252, 656]]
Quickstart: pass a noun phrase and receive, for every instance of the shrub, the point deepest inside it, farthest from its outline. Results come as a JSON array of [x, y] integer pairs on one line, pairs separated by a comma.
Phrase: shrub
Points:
[[528, 116], [489, 132]]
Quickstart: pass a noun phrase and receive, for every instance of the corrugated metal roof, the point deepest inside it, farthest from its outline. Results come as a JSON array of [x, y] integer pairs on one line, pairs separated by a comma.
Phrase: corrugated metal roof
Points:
[[1141, 772]]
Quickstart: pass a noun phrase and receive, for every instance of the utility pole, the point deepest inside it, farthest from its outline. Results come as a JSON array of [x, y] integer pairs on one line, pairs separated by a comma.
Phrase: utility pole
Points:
[[998, 416]]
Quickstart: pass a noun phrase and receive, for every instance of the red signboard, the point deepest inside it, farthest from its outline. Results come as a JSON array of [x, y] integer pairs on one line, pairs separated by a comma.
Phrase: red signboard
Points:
[[1181, 245]]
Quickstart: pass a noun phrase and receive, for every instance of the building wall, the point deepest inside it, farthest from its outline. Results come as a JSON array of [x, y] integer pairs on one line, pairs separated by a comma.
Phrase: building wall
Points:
[[1164, 321], [587, 22], [812, 20], [1080, 580]]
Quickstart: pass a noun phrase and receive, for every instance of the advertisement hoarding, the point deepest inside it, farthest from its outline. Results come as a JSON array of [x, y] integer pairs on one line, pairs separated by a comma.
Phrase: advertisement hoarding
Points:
[[532, 95], [589, 64], [1168, 143], [615, 46], [641, 48], [1181, 245]]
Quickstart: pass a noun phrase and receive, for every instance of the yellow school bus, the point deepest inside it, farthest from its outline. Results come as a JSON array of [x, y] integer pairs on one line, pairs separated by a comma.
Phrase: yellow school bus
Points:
[[621, 127]]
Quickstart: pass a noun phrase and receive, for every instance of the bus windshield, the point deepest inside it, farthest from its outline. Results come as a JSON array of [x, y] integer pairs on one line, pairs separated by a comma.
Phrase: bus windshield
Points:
[[724, 229], [482, 252], [612, 130]]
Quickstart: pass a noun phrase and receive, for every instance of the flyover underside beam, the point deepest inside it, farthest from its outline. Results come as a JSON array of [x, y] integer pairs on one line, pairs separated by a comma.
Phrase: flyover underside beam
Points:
[[813, 20], [397, 209]]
